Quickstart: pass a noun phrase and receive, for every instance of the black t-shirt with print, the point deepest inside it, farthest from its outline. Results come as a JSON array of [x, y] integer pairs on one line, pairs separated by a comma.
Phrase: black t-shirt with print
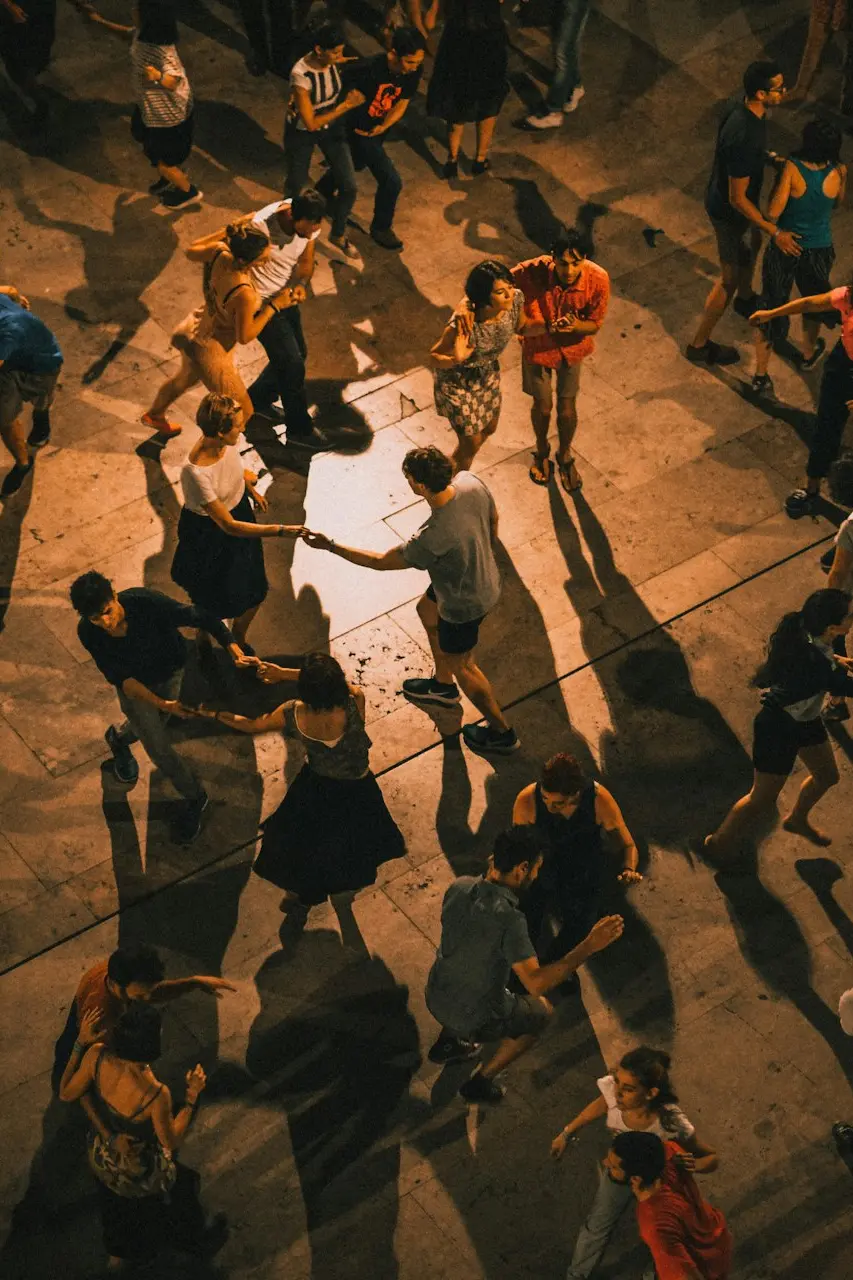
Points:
[[382, 89], [740, 153]]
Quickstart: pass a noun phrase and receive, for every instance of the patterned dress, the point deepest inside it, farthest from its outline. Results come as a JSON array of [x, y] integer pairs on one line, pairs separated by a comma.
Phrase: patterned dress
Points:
[[469, 394]]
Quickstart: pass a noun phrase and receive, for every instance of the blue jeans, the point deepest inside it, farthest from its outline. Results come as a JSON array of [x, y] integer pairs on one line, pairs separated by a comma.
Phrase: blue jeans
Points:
[[611, 1201], [299, 147], [369, 153], [569, 21], [284, 376]]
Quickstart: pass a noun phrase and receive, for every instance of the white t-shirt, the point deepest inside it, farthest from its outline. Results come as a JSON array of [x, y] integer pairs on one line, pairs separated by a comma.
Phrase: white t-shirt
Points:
[[223, 480], [324, 89], [671, 1124], [160, 108], [275, 271]]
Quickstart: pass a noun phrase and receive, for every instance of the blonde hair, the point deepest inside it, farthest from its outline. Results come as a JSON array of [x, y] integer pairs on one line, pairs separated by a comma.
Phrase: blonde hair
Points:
[[216, 414]]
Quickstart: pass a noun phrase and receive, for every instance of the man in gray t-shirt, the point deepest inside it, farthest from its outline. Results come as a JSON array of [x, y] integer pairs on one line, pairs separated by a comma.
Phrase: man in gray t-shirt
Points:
[[456, 546]]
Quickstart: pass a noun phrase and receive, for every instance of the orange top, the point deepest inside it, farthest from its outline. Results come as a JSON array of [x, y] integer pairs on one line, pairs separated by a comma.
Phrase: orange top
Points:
[[93, 993], [545, 299], [686, 1235]]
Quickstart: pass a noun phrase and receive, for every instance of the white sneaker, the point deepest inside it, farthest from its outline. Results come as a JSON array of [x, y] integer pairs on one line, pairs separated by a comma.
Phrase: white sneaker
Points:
[[550, 121], [573, 101]]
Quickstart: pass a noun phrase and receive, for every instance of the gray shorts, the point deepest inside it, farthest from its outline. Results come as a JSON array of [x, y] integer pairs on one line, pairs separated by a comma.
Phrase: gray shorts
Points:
[[16, 387], [528, 1018], [537, 381], [737, 242]]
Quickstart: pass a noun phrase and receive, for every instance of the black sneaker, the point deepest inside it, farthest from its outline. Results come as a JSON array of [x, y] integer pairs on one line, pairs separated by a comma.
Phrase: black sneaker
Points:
[[762, 385], [40, 433], [387, 238], [478, 1089], [174, 198], [745, 306], [187, 825], [314, 439], [450, 169], [448, 1048], [15, 478], [125, 767], [809, 362], [157, 188], [486, 741], [801, 503], [712, 353], [431, 690]]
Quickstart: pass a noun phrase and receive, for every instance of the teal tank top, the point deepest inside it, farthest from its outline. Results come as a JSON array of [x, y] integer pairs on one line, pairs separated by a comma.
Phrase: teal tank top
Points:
[[808, 215]]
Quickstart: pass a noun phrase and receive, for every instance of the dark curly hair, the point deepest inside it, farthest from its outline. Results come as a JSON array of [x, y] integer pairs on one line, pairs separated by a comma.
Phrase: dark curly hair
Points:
[[322, 685], [562, 775], [429, 467], [245, 242]]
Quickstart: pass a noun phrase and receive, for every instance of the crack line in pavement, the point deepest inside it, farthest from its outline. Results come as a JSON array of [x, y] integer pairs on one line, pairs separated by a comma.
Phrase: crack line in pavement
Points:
[[525, 697]]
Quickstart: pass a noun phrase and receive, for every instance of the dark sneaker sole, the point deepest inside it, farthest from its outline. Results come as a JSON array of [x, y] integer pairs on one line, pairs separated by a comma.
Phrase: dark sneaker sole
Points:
[[447, 1060], [491, 750], [439, 699]]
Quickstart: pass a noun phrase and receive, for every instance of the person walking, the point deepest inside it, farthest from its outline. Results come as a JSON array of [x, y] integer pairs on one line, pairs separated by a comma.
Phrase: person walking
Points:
[[135, 639], [386, 83], [484, 940], [148, 1201], [567, 295], [455, 545], [731, 202], [635, 1097], [162, 121], [219, 559], [568, 22], [687, 1237], [811, 185], [469, 79], [232, 313], [571, 813], [333, 830], [30, 364], [467, 355], [315, 112], [798, 672], [827, 18], [835, 398]]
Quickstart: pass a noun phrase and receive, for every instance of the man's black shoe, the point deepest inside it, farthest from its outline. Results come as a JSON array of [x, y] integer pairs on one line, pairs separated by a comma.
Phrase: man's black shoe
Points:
[[15, 478], [478, 1089], [388, 239], [314, 439], [187, 825], [448, 1049], [40, 433], [125, 767]]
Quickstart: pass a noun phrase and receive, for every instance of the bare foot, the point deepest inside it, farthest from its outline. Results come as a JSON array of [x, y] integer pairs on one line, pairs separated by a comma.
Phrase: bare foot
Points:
[[802, 827]]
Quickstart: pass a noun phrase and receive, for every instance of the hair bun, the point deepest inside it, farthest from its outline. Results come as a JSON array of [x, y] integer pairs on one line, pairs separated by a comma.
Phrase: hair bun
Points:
[[231, 229]]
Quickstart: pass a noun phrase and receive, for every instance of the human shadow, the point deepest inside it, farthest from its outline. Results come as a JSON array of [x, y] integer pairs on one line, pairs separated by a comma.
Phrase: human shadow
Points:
[[821, 874], [13, 512]]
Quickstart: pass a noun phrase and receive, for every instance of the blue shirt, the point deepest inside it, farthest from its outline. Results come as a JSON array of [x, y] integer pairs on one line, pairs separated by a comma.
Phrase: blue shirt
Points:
[[26, 343]]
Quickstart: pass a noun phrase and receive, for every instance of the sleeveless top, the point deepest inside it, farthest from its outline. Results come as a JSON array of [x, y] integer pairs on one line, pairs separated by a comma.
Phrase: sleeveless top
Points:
[[120, 1123], [210, 321], [574, 861], [347, 759], [808, 215]]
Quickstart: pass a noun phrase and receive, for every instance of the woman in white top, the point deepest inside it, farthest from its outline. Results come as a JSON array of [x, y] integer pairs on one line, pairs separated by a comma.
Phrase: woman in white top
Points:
[[163, 118], [637, 1095], [219, 560]]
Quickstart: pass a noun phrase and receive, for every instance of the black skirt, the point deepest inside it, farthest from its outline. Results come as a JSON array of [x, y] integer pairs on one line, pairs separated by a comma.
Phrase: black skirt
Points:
[[219, 572], [328, 835], [138, 1228], [170, 145], [467, 86]]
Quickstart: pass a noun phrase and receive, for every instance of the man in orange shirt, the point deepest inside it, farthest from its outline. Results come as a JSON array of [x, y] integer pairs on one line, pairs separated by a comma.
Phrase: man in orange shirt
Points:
[[569, 294], [688, 1238]]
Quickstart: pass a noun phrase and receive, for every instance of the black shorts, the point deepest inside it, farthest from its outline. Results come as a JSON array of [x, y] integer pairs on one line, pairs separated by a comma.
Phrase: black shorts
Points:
[[170, 146], [777, 739], [528, 1018], [456, 637], [780, 272]]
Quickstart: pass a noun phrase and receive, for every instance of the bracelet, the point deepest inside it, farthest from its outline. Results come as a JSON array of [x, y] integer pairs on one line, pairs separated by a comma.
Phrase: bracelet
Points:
[[269, 303], [78, 1047]]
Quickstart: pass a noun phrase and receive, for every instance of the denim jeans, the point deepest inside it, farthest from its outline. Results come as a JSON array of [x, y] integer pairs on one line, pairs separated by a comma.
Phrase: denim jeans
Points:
[[569, 21], [284, 376], [369, 153], [299, 147], [836, 388], [611, 1201], [270, 31], [147, 724]]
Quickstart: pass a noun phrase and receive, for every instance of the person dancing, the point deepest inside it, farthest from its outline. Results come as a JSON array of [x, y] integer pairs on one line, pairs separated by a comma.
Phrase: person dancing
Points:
[[798, 672]]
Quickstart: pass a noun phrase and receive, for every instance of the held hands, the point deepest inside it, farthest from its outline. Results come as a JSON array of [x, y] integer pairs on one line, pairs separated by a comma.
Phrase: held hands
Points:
[[196, 1080], [629, 875], [353, 99], [318, 541], [216, 986], [603, 932], [298, 293], [761, 317], [174, 707]]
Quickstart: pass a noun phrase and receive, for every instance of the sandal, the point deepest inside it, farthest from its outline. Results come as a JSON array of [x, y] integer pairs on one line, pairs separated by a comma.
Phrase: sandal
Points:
[[801, 503], [570, 478], [542, 470]]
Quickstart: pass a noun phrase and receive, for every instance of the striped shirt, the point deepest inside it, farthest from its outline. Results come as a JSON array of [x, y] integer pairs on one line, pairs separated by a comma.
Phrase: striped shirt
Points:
[[161, 108], [324, 89]]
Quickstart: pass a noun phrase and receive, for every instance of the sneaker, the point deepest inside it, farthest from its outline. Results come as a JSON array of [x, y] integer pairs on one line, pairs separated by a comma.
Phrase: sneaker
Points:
[[345, 245], [486, 741], [187, 826], [745, 306], [544, 120], [160, 423], [835, 712], [480, 166], [478, 1089], [314, 439], [809, 362], [451, 169], [712, 353], [762, 385], [431, 690], [157, 188], [387, 238], [174, 198], [448, 1049], [572, 104], [40, 433], [15, 478], [125, 767], [801, 503]]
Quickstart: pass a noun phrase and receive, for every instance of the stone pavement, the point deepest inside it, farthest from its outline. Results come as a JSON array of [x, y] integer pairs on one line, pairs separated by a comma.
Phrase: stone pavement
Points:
[[631, 619]]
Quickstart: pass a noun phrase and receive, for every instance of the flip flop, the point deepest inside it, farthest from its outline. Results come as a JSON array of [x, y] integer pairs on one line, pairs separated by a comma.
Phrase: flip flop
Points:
[[545, 468], [565, 470]]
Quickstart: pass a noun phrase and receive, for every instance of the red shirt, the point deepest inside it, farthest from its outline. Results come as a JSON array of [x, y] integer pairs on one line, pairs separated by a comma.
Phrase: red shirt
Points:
[[545, 299], [681, 1229]]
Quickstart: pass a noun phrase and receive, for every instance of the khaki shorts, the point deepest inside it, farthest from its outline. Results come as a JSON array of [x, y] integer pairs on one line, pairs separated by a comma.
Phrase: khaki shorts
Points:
[[537, 381], [16, 387]]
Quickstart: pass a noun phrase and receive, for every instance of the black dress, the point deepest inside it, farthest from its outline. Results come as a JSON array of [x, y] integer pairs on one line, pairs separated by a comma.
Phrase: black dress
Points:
[[568, 887], [332, 829], [469, 80]]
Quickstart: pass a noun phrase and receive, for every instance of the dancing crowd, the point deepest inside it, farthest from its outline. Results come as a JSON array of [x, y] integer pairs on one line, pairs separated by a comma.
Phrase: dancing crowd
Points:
[[519, 933]]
